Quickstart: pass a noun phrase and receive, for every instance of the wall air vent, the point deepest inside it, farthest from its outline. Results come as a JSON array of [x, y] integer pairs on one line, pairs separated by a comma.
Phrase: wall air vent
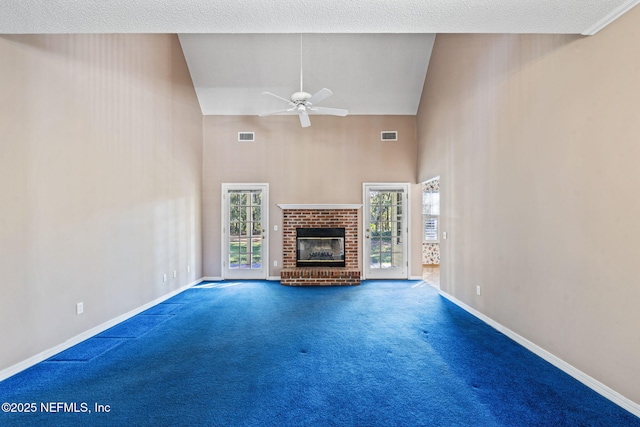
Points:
[[246, 136], [389, 135]]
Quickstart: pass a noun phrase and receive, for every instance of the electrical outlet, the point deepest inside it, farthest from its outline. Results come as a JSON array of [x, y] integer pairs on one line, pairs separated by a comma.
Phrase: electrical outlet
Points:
[[188, 269], [275, 228], [477, 290], [175, 274], [164, 277], [79, 308], [275, 263], [444, 235]]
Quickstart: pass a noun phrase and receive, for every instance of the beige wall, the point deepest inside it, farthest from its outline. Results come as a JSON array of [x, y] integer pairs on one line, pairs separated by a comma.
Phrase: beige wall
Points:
[[100, 182], [325, 163], [536, 139]]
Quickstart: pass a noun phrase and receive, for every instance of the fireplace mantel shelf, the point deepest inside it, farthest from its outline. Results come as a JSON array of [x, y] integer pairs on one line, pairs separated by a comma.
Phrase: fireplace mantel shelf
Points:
[[319, 206]]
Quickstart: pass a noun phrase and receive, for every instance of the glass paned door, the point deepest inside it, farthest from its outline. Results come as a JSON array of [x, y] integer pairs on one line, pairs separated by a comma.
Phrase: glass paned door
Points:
[[385, 242], [244, 229]]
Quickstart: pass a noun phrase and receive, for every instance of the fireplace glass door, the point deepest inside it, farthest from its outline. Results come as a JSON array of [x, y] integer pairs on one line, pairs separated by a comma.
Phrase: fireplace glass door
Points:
[[320, 247]]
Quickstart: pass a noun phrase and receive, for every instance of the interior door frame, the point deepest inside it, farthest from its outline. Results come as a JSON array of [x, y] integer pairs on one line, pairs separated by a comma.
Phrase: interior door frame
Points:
[[224, 253], [366, 187]]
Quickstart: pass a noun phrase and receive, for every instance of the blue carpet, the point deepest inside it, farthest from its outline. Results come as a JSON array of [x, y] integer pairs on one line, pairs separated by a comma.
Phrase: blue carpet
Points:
[[385, 353]]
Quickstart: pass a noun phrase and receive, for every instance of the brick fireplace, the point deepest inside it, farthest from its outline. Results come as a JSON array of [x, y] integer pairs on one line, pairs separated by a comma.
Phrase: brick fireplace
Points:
[[318, 217]]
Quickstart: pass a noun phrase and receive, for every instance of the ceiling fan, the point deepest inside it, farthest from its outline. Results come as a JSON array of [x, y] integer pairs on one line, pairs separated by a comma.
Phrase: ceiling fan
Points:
[[303, 103]]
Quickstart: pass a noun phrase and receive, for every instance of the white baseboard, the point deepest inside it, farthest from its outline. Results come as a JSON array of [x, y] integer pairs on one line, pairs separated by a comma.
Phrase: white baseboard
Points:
[[212, 279], [33, 360], [273, 278], [415, 277], [585, 379]]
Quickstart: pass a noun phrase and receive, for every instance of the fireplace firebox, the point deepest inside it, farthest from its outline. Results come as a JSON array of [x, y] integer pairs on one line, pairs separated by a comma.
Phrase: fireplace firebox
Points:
[[320, 247]]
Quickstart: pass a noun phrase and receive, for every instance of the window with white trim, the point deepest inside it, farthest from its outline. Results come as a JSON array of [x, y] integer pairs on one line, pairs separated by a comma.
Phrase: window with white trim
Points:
[[430, 215]]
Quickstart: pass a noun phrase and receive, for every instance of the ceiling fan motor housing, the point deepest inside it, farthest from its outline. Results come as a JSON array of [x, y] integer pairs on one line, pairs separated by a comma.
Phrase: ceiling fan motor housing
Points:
[[300, 97]]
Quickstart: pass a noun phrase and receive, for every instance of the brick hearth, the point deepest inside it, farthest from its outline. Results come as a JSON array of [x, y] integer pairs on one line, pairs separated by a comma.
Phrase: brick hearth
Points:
[[293, 218], [318, 276]]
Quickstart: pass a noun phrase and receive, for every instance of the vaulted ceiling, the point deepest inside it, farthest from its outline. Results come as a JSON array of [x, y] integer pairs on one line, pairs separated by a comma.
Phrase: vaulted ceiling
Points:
[[373, 55], [368, 73]]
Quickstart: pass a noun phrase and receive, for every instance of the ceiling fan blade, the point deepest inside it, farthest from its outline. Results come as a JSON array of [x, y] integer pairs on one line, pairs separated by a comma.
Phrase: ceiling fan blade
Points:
[[279, 97], [288, 110], [320, 96], [330, 111], [304, 119]]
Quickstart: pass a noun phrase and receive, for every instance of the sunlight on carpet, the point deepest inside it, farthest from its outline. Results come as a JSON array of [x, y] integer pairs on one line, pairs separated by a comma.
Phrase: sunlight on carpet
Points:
[[216, 285]]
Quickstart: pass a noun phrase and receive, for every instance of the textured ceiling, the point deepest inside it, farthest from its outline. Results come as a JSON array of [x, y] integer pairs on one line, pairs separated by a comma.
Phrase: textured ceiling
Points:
[[308, 16], [373, 54]]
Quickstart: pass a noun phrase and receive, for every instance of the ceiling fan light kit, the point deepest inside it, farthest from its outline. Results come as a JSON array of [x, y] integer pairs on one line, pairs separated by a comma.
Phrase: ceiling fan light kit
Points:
[[303, 103]]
